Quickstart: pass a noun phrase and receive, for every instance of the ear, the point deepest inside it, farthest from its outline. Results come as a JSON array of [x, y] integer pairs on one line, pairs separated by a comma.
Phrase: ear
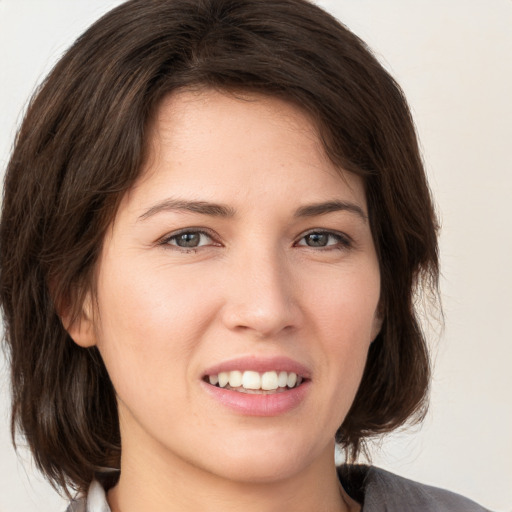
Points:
[[81, 327], [378, 320]]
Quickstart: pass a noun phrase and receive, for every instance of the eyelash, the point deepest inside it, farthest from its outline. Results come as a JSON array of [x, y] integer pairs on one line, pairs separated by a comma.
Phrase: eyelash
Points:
[[343, 242], [166, 241]]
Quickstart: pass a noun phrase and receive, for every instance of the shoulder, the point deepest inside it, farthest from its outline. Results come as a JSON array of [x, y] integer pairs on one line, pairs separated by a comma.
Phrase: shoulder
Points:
[[95, 501], [382, 491], [77, 505]]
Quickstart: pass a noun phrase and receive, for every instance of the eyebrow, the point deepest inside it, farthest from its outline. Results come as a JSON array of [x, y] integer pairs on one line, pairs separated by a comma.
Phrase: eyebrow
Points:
[[312, 210], [177, 205], [220, 210]]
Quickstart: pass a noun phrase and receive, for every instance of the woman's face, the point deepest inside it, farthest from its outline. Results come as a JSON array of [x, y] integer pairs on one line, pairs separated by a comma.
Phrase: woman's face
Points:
[[241, 253]]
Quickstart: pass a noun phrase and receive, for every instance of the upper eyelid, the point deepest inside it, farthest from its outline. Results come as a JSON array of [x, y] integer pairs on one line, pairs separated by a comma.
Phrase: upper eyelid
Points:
[[333, 232], [203, 231]]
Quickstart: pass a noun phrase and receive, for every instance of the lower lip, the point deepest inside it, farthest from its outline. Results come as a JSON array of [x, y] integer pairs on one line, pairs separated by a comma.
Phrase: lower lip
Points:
[[259, 405]]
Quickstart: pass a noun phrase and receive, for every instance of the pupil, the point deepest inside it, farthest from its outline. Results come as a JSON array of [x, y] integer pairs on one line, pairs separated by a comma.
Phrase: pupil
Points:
[[188, 240], [317, 239]]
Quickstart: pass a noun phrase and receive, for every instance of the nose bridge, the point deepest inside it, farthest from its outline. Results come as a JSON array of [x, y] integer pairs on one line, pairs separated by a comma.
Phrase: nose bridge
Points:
[[262, 293]]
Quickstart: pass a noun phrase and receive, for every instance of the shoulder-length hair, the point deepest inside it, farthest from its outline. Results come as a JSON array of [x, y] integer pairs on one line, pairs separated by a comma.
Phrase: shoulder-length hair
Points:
[[81, 146]]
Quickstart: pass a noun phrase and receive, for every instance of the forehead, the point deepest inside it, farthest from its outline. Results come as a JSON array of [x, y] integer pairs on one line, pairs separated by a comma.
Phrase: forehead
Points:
[[230, 145], [209, 112]]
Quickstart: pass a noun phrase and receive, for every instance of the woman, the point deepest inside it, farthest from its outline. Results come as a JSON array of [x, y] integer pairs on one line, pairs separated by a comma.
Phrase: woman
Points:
[[214, 281]]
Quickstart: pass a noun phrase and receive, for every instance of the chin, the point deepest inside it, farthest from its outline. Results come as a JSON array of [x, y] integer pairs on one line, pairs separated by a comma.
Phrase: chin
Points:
[[260, 470], [267, 459]]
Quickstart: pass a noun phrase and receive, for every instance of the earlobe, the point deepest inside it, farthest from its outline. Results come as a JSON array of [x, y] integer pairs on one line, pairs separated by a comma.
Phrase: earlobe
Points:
[[81, 327], [378, 320]]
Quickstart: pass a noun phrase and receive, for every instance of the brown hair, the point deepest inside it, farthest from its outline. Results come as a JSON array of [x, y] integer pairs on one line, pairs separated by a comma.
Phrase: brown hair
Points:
[[81, 146]]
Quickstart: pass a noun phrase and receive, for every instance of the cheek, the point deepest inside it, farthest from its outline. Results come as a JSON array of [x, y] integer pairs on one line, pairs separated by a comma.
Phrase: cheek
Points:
[[345, 315], [156, 299], [149, 324], [346, 306]]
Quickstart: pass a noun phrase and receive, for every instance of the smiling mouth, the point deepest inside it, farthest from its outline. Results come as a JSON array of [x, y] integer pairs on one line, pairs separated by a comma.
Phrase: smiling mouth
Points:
[[252, 382]]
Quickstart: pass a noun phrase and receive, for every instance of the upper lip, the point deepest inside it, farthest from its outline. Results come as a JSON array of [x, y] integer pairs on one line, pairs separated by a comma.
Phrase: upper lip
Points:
[[260, 364]]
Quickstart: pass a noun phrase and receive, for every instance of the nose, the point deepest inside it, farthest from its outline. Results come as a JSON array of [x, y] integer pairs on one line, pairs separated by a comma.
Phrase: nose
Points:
[[261, 296]]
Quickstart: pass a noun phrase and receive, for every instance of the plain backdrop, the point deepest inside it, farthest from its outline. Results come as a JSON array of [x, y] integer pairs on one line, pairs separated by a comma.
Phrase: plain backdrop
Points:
[[453, 58]]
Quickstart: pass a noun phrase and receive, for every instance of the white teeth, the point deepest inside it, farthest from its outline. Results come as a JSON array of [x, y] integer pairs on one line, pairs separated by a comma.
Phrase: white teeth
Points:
[[282, 380], [235, 379], [292, 380], [269, 381], [251, 380], [223, 379]]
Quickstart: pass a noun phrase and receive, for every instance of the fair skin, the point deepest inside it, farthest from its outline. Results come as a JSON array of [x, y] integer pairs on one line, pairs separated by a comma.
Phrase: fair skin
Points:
[[241, 247]]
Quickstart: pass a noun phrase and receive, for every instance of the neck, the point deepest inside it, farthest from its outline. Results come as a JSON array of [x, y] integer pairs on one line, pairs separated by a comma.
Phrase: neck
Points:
[[164, 484]]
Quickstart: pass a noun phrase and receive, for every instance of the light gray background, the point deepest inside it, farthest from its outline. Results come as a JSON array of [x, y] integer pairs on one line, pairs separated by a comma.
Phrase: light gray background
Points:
[[454, 60]]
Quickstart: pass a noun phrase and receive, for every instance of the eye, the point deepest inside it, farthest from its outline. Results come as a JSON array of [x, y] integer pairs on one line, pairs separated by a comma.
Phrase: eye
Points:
[[324, 239], [189, 239]]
